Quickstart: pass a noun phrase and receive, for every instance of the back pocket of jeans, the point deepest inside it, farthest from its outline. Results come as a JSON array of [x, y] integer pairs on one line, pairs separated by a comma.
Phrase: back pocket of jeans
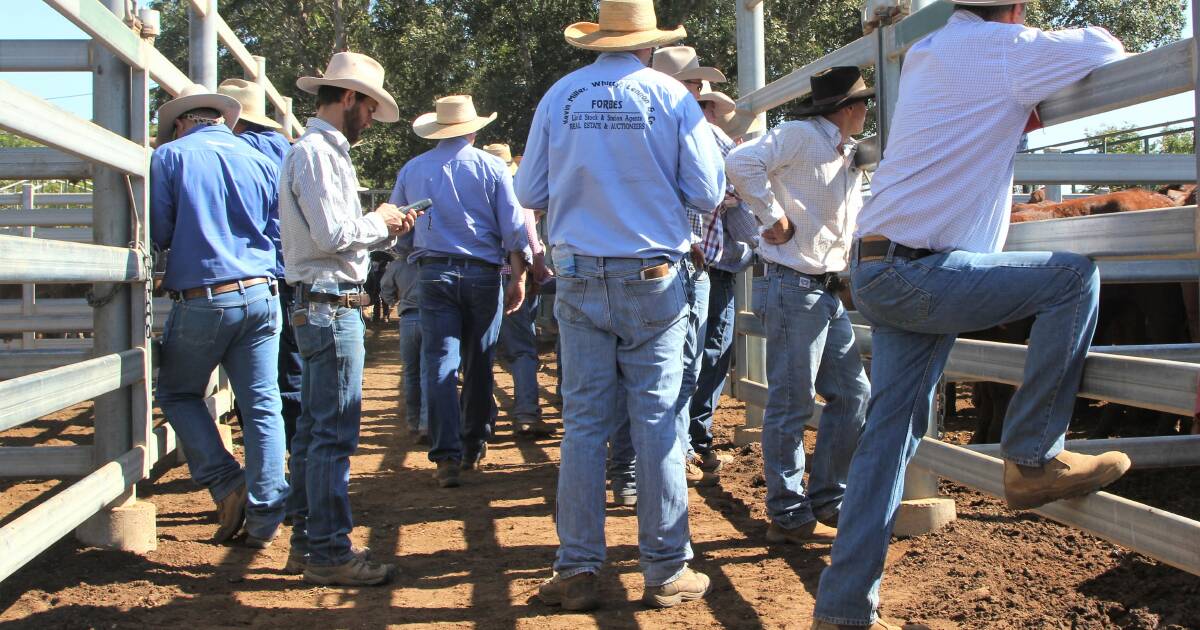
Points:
[[191, 327], [890, 298], [660, 301], [568, 298]]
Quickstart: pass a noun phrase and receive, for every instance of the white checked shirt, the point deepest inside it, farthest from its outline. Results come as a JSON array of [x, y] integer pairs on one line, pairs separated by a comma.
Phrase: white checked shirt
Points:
[[797, 170], [966, 92], [320, 215]]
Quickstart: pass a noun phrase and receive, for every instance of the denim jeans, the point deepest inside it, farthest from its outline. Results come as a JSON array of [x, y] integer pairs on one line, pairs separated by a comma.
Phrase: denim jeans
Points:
[[518, 349], [290, 366], [326, 436], [716, 352], [416, 410], [620, 331], [238, 331], [622, 472], [917, 307], [460, 320], [811, 351]]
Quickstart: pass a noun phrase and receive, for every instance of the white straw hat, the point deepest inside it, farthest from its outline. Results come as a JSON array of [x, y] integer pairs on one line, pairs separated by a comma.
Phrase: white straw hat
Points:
[[194, 96], [253, 100], [682, 63], [623, 25], [454, 116], [724, 104], [360, 73]]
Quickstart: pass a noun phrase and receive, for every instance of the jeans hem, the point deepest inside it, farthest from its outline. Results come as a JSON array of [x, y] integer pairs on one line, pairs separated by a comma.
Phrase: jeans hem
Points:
[[846, 621], [675, 576], [801, 523], [570, 573], [1035, 462]]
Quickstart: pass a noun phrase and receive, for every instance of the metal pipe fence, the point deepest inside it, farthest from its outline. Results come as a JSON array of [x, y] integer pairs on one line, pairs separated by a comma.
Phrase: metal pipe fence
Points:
[[105, 241], [1148, 246]]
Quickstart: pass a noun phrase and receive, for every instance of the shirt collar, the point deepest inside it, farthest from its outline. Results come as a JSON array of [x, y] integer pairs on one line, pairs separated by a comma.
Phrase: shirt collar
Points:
[[620, 56], [331, 133], [206, 129], [964, 16], [453, 143]]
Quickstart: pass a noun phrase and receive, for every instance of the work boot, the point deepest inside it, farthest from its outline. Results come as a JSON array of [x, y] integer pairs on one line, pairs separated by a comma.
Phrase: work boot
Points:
[[472, 460], [1067, 475], [878, 625], [297, 561], [624, 496], [254, 542], [810, 532], [356, 572], [447, 473], [696, 476], [534, 427], [712, 461], [577, 592], [689, 586], [231, 514]]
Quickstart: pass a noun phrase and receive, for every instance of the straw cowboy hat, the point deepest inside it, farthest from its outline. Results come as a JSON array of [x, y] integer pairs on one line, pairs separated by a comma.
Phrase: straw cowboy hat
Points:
[[988, 3], [253, 99], [733, 121], [724, 104], [454, 116], [682, 64], [834, 88], [503, 152], [623, 25], [194, 96], [360, 73]]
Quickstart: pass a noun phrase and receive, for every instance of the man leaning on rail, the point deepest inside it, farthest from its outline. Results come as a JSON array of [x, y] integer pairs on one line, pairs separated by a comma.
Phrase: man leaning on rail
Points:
[[927, 264], [214, 205], [326, 241]]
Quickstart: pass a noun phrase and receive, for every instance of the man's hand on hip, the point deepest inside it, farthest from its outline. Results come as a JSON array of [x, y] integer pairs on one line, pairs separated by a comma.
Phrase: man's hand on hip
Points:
[[780, 233]]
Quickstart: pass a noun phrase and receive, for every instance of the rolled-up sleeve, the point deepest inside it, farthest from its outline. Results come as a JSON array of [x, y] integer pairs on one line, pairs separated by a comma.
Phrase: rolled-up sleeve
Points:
[[532, 184], [319, 195], [749, 167], [701, 178]]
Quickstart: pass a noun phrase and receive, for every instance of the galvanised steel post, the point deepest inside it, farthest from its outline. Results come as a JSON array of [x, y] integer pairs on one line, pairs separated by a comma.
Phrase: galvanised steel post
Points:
[[202, 45]]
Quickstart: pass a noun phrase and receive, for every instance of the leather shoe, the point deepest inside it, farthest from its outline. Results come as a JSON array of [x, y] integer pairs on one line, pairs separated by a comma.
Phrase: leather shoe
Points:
[[691, 585], [810, 532], [1067, 475], [231, 514], [577, 592]]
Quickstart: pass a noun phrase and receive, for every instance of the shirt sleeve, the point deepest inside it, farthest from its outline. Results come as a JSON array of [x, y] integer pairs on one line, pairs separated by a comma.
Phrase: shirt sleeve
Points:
[[740, 223], [162, 198], [701, 178], [272, 230], [320, 198], [533, 178], [750, 165], [388, 291], [1041, 63], [535, 244], [398, 197], [511, 217]]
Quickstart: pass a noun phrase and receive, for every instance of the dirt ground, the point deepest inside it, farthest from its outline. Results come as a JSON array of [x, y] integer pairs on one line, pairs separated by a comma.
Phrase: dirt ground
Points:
[[473, 556]]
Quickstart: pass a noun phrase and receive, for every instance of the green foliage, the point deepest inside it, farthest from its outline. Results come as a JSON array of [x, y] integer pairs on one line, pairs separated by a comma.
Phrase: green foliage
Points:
[[507, 54], [13, 141], [1178, 143]]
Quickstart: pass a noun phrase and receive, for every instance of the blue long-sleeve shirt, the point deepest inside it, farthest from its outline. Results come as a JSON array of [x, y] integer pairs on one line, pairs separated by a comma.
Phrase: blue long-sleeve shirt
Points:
[[615, 151], [475, 211], [275, 146], [214, 203]]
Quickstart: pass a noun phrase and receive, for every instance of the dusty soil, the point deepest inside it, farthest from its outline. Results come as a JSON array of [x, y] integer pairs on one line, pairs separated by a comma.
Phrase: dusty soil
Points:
[[473, 556]]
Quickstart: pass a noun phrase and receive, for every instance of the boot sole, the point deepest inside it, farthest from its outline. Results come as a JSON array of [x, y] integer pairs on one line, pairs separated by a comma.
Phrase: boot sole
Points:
[[625, 501], [781, 539], [668, 601], [1084, 488]]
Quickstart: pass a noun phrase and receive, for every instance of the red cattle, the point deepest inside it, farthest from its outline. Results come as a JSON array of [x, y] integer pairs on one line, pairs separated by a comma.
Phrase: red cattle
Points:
[[1120, 201]]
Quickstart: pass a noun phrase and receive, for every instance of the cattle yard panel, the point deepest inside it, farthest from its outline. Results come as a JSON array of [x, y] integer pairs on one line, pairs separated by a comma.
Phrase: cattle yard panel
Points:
[[1147, 246], [114, 256]]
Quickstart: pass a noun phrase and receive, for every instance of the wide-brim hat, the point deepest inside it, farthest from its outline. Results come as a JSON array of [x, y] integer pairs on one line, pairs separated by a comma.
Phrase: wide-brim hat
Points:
[[834, 88], [682, 64], [623, 25], [194, 96], [740, 122], [500, 150], [253, 100], [454, 116], [725, 106], [988, 3], [360, 73]]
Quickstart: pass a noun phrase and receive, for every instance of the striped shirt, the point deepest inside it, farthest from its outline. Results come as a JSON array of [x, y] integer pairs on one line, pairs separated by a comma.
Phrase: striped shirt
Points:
[[324, 232]]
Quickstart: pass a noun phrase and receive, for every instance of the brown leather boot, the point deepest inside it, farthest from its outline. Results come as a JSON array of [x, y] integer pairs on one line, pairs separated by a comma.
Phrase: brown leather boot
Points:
[[231, 514], [811, 532], [696, 476], [577, 592], [690, 586], [447, 473], [1067, 475]]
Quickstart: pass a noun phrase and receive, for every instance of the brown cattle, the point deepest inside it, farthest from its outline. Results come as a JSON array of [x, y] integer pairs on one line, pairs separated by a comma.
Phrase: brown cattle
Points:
[[1181, 194], [1121, 201]]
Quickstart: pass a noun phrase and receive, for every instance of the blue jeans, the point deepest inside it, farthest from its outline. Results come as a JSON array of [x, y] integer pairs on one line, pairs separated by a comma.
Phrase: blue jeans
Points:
[[326, 436], [917, 307], [238, 331], [518, 348], [716, 352], [621, 465], [290, 366], [811, 351], [619, 331], [416, 409], [460, 320]]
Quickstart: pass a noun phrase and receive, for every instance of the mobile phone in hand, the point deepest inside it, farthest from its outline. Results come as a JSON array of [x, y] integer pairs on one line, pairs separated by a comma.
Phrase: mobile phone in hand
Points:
[[418, 206]]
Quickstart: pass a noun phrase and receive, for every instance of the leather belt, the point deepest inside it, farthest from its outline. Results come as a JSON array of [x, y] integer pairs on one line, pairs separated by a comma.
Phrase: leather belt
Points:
[[345, 300], [218, 289], [877, 248], [457, 260], [828, 280]]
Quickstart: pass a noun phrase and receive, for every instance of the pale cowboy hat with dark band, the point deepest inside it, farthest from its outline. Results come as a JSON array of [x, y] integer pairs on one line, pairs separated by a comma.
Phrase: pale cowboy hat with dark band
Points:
[[359, 73], [682, 64], [454, 116], [194, 96], [253, 99], [833, 89], [623, 25]]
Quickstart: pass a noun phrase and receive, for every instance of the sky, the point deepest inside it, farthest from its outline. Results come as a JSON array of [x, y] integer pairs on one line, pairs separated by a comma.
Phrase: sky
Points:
[[72, 90]]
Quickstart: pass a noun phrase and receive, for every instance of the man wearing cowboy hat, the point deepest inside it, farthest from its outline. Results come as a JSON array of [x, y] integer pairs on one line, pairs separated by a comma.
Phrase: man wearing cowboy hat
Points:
[[476, 225], [800, 179], [927, 263], [262, 133], [517, 343], [214, 206], [614, 152], [326, 242]]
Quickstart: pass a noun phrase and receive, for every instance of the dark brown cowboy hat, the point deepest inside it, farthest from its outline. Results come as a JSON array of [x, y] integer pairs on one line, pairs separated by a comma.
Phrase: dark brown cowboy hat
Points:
[[833, 89]]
